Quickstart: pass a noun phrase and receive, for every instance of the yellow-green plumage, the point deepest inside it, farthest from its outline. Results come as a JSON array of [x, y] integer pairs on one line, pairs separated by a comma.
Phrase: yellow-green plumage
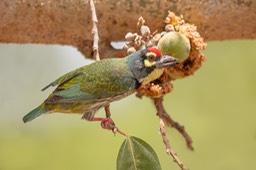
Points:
[[88, 88]]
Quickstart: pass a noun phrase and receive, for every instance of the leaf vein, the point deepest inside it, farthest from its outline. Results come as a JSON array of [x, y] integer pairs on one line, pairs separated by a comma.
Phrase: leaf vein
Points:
[[132, 151]]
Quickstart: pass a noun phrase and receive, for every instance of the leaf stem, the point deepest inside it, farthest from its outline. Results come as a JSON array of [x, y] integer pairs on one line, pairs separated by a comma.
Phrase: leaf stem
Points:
[[120, 132]]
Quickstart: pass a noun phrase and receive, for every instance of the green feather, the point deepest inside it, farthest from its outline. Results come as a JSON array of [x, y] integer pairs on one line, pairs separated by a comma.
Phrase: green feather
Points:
[[34, 113], [99, 80], [91, 87]]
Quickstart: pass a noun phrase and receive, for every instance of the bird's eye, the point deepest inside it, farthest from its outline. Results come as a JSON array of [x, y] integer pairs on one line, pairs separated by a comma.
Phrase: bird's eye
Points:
[[151, 58]]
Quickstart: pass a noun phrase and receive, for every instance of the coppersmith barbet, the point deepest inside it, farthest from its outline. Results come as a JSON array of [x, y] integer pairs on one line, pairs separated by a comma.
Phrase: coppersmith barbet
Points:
[[91, 87]]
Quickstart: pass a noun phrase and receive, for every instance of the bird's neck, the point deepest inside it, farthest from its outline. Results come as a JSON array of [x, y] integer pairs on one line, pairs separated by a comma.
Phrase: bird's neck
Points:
[[155, 74]]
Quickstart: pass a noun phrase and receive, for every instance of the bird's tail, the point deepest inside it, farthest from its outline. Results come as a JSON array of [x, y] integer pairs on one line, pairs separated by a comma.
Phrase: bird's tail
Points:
[[34, 113]]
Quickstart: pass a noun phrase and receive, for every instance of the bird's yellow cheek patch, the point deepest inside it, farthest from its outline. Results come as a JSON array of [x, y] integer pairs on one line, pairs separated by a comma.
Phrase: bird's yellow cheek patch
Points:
[[155, 74], [148, 63]]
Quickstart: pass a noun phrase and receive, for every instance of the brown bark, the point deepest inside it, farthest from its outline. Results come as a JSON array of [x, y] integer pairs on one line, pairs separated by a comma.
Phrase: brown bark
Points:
[[68, 22]]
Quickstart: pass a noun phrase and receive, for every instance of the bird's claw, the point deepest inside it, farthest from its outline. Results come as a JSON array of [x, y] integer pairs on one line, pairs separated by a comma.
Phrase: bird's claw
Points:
[[108, 124], [115, 130]]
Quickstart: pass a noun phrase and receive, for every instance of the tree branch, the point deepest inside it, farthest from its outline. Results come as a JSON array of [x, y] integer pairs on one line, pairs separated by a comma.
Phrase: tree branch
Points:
[[69, 22], [168, 147], [165, 117], [95, 32]]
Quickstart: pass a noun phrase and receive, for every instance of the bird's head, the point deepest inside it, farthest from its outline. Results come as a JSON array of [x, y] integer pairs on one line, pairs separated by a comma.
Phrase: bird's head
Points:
[[148, 64]]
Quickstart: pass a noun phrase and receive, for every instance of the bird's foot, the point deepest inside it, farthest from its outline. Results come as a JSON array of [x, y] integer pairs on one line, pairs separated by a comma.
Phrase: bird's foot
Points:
[[106, 123], [109, 124]]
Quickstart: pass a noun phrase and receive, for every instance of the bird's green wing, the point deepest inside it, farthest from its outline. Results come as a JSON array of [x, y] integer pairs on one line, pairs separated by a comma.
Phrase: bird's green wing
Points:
[[112, 78], [67, 86], [69, 77], [100, 80]]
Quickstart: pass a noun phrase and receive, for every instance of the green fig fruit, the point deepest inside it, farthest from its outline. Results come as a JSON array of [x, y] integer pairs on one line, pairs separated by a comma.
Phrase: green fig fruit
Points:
[[175, 44]]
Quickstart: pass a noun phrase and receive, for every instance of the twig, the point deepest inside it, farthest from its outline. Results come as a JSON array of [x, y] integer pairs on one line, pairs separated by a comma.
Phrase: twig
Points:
[[170, 122], [97, 57], [164, 117], [169, 150], [114, 128], [119, 131], [95, 32]]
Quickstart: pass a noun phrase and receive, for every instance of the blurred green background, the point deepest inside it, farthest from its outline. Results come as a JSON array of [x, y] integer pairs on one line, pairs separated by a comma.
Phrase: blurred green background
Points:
[[217, 106]]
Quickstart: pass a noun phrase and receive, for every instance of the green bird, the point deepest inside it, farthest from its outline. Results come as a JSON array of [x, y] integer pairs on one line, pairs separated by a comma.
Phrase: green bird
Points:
[[91, 87]]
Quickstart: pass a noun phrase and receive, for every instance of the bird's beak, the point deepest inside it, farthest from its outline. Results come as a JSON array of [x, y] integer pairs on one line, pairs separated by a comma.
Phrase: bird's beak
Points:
[[166, 61]]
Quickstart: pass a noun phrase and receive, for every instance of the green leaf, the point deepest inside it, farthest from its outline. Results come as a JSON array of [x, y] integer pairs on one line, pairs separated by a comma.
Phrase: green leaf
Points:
[[136, 154]]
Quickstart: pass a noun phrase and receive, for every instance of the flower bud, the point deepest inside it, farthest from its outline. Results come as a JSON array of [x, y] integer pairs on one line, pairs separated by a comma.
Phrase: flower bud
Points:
[[145, 31], [129, 36], [131, 50]]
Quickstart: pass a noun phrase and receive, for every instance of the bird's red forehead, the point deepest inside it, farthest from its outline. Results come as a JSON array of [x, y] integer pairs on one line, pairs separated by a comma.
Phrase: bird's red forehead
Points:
[[155, 50]]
